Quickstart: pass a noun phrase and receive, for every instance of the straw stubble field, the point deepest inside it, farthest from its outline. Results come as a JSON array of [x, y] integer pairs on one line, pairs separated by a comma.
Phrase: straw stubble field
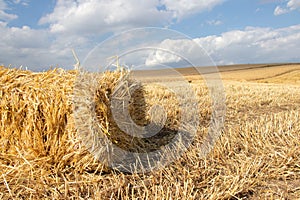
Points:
[[256, 156]]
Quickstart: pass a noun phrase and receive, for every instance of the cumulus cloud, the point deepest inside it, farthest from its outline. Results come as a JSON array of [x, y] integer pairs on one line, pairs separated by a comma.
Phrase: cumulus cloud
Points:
[[98, 16], [178, 53], [251, 45], [290, 6], [71, 24], [167, 51], [76, 24], [184, 8], [254, 45], [37, 49]]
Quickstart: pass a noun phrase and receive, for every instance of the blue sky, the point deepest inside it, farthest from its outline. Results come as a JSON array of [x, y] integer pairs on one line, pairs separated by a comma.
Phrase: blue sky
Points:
[[39, 34]]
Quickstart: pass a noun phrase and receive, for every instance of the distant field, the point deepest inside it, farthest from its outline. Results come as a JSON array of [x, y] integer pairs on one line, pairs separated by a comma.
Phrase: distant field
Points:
[[245, 72], [256, 157], [275, 74]]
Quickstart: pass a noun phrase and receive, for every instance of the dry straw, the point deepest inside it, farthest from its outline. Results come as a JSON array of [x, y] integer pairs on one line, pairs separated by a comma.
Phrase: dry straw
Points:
[[42, 157], [113, 122], [37, 113]]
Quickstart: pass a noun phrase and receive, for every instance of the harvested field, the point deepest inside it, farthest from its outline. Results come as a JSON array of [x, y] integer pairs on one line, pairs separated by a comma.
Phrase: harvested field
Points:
[[267, 73], [256, 156]]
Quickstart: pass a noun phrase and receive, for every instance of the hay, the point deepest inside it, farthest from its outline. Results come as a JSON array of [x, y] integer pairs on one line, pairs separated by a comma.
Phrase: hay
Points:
[[42, 156], [37, 119], [35, 110], [113, 121]]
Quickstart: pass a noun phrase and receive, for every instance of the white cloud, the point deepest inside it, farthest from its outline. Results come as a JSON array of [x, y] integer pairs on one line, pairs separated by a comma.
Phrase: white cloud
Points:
[[183, 8], [75, 23], [293, 4], [165, 55], [279, 10], [98, 16], [4, 16], [179, 53], [252, 45], [24, 37], [214, 22], [22, 2], [4, 7], [7, 17], [290, 6], [37, 49]]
